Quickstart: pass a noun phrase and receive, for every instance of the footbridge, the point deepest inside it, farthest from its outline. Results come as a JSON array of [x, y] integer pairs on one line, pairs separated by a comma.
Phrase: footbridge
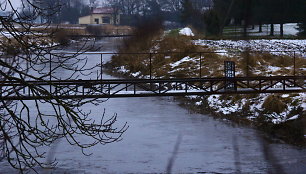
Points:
[[93, 89]]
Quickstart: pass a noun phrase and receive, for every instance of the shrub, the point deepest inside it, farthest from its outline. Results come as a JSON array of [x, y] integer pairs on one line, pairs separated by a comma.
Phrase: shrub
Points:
[[10, 47], [212, 23], [273, 103], [61, 37]]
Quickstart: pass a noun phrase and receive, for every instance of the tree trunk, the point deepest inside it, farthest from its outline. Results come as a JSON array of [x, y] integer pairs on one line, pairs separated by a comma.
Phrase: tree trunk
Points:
[[281, 29], [245, 30], [272, 30], [260, 27]]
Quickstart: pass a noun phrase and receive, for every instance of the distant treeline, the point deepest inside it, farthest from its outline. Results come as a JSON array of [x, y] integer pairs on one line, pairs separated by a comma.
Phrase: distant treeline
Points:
[[258, 12], [209, 16], [54, 11]]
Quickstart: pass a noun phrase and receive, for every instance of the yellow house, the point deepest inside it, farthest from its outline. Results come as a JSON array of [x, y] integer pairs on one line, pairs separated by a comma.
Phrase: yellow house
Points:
[[103, 15]]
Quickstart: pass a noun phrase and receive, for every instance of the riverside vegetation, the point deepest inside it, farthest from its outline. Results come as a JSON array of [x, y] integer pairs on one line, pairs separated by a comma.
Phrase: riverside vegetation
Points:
[[281, 115]]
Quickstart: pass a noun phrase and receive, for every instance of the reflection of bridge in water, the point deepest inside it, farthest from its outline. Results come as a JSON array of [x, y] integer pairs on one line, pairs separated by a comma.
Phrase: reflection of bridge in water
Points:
[[81, 89]]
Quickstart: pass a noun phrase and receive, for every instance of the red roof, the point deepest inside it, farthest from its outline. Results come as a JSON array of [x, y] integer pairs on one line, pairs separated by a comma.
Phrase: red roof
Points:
[[103, 10]]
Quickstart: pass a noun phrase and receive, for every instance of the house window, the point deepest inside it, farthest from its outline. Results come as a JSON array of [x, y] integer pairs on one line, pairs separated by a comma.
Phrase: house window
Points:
[[106, 20], [96, 20]]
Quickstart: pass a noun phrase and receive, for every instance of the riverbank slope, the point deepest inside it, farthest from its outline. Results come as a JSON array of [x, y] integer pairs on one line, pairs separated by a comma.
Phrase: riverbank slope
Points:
[[282, 115]]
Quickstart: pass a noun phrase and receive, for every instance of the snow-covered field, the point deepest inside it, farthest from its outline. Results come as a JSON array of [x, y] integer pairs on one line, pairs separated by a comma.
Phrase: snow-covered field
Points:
[[279, 46], [290, 29]]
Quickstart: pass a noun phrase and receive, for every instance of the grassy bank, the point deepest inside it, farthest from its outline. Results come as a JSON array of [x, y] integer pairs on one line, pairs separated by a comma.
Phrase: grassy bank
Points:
[[281, 115]]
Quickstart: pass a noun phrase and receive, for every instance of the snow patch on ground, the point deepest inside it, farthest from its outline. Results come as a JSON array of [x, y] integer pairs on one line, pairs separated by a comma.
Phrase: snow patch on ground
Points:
[[294, 117], [185, 59], [186, 32], [303, 98]]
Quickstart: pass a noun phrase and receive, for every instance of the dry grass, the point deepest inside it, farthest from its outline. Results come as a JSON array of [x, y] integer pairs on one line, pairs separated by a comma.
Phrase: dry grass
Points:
[[259, 64]]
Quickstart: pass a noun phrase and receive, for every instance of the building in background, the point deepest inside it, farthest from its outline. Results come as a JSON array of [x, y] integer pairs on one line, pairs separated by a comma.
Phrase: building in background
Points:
[[102, 15]]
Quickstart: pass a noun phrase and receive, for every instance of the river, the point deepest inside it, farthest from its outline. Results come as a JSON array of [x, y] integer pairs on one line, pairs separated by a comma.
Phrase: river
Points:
[[160, 130]]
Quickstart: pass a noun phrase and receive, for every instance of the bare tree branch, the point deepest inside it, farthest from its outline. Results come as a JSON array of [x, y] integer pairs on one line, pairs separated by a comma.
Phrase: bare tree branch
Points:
[[27, 53]]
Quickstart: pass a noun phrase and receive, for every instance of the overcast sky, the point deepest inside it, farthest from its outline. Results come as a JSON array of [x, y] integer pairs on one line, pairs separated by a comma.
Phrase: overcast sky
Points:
[[17, 3]]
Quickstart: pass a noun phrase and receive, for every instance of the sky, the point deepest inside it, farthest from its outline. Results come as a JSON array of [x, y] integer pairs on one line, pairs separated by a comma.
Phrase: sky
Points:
[[17, 3]]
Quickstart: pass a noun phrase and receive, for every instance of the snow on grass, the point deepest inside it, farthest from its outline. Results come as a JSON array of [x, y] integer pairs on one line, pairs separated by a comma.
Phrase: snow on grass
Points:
[[177, 63], [136, 74], [186, 32], [273, 68], [122, 69], [218, 105]]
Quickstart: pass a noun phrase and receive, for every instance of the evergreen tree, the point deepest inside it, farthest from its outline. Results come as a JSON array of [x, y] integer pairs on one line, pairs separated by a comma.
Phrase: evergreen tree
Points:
[[187, 12], [212, 23], [302, 18]]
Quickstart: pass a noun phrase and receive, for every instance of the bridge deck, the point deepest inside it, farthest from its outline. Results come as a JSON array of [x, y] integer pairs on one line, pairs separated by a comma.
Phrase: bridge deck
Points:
[[79, 89]]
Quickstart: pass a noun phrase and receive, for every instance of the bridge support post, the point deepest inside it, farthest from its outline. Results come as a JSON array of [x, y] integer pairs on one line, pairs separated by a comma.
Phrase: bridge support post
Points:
[[186, 87], [134, 88], [101, 68], [50, 66], [150, 65], [294, 65], [50, 70], [200, 65]]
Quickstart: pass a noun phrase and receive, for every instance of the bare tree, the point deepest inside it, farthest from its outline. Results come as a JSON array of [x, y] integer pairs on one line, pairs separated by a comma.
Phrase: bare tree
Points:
[[26, 51]]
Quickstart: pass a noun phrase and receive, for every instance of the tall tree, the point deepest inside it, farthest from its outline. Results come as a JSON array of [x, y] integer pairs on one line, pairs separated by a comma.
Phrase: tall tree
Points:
[[188, 11]]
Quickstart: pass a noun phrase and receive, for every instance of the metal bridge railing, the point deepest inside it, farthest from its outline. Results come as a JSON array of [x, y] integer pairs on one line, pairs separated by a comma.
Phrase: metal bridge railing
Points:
[[74, 89]]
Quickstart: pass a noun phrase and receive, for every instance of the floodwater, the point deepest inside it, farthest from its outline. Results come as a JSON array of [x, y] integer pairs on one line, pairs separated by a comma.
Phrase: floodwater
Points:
[[163, 137]]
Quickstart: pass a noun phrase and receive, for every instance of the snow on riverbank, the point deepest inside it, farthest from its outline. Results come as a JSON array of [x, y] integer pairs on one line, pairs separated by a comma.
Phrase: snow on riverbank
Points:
[[223, 106], [275, 108]]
